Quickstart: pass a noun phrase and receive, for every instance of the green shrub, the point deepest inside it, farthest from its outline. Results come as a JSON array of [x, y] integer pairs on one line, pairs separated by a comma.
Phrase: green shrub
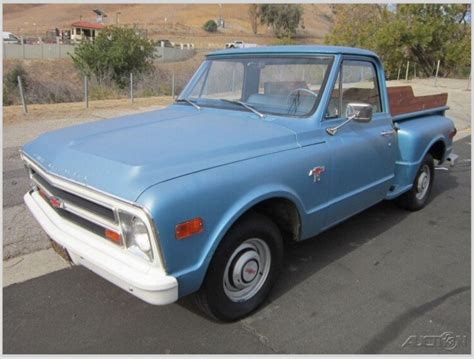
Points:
[[7, 100], [210, 26], [11, 93], [11, 78], [284, 19], [115, 53]]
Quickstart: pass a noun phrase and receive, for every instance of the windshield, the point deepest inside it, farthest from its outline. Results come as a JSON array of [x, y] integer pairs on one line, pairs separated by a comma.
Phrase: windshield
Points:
[[289, 86]]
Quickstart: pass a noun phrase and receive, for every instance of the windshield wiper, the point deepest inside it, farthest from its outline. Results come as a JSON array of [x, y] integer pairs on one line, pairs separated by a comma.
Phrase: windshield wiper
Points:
[[247, 106], [197, 107]]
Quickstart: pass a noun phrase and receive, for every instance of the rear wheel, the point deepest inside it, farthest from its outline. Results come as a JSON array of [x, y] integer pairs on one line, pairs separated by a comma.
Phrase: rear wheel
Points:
[[417, 197], [244, 268]]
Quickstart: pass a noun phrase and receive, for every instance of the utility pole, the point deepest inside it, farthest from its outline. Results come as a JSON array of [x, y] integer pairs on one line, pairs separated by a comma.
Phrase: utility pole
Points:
[[117, 17]]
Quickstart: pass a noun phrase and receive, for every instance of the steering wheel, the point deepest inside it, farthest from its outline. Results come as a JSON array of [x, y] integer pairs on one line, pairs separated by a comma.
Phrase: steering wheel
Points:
[[302, 89], [295, 103]]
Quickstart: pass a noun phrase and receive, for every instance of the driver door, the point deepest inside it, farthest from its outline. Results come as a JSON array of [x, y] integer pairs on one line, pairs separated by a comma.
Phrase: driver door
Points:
[[363, 154]]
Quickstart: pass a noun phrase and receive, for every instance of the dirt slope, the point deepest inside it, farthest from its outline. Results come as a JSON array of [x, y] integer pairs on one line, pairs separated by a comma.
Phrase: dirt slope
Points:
[[179, 22]]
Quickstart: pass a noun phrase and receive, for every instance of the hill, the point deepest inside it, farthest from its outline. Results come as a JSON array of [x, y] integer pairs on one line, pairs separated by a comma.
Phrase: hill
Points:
[[177, 22]]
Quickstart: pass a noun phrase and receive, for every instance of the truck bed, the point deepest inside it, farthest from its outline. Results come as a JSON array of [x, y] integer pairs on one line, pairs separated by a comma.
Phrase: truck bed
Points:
[[404, 104]]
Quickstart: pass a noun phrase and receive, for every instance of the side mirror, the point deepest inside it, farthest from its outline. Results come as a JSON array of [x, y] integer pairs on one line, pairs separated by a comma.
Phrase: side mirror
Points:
[[359, 112]]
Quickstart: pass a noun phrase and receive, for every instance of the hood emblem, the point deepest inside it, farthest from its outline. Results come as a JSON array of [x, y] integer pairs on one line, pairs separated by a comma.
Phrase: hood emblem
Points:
[[316, 172]]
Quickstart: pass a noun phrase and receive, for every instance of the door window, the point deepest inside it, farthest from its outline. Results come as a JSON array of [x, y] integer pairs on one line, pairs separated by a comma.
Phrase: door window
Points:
[[358, 84]]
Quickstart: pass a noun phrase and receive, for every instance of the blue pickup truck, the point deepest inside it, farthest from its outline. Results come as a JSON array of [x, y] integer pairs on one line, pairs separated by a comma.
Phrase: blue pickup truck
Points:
[[263, 145]]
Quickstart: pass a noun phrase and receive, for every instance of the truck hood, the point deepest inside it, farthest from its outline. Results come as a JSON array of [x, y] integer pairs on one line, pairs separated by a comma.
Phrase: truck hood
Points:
[[125, 156]]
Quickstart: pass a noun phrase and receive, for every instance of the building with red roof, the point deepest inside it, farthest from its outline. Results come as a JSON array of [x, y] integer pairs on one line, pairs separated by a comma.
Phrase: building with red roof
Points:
[[85, 30]]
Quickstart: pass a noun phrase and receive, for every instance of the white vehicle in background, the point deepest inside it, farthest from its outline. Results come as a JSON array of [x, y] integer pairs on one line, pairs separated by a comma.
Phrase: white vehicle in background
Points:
[[239, 45], [9, 38]]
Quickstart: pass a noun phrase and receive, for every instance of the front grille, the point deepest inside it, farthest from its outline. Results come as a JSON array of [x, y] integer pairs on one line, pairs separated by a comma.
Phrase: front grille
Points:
[[93, 207], [81, 222], [97, 213], [87, 214]]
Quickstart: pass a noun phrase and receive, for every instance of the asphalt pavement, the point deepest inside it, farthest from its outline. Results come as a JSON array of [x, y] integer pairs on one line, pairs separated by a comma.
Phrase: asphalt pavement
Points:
[[384, 281]]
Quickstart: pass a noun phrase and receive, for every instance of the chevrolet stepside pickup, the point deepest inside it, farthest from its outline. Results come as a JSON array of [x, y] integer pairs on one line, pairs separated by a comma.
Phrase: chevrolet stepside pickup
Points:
[[263, 145]]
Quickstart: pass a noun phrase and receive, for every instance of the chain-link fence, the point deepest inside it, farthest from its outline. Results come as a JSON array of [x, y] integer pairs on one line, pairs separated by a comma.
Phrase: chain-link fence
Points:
[[161, 81], [153, 85]]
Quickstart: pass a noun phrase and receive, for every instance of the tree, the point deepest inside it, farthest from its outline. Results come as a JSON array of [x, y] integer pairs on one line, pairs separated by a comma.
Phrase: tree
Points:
[[114, 54], [419, 33], [210, 26], [432, 32], [284, 19], [254, 15]]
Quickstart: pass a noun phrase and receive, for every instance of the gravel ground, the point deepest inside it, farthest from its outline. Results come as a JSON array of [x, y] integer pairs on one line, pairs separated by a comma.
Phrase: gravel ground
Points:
[[21, 234]]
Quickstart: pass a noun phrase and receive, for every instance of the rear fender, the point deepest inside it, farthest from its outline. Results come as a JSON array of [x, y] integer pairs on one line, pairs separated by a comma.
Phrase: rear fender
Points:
[[415, 139]]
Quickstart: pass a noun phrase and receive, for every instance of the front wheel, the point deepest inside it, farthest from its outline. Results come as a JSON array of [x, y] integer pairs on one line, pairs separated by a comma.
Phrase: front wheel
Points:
[[417, 197], [244, 268]]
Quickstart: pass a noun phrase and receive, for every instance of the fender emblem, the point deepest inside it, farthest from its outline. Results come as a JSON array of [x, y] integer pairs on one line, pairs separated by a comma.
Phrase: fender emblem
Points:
[[316, 172]]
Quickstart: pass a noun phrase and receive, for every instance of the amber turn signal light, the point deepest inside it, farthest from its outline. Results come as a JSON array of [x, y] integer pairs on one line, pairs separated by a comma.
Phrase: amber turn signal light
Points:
[[188, 228], [113, 236]]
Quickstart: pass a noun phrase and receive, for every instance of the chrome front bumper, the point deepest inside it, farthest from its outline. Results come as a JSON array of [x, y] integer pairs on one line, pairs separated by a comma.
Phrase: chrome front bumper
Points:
[[143, 280]]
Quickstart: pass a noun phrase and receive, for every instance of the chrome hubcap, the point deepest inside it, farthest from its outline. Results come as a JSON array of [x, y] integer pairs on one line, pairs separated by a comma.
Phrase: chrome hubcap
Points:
[[423, 182], [246, 270]]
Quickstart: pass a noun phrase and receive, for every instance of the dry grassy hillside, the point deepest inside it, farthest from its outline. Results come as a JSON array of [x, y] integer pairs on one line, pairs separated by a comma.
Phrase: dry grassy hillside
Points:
[[178, 22]]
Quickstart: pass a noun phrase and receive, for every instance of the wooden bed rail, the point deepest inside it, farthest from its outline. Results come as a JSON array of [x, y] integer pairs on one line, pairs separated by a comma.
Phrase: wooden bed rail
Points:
[[402, 100]]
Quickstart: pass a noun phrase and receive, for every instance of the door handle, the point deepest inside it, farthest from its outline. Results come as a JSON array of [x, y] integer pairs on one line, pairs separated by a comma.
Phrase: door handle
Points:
[[388, 133]]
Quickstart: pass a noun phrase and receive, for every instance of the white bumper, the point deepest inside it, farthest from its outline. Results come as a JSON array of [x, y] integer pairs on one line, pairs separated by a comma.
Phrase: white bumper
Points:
[[115, 264]]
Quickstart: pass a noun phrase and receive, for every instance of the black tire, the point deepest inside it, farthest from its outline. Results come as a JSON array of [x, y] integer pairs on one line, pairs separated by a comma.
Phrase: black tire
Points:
[[212, 297], [414, 199]]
